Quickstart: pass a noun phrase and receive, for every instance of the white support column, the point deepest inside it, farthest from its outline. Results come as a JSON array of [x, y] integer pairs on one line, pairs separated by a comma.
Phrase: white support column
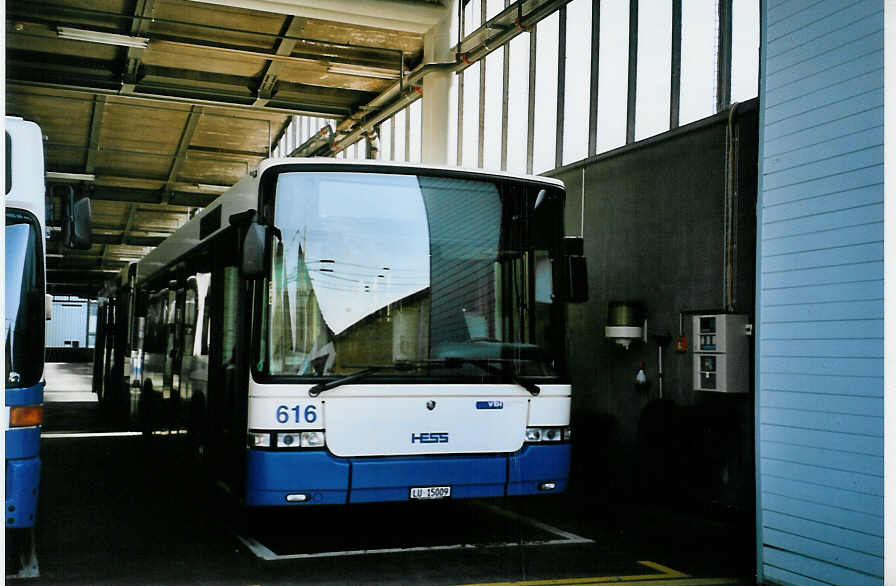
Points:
[[436, 90]]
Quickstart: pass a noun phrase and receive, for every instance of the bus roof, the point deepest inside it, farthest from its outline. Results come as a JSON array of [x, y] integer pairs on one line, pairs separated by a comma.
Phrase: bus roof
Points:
[[392, 166], [244, 196]]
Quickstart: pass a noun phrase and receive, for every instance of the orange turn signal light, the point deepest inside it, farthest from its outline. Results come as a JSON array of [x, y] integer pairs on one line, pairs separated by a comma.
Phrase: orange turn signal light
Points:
[[26, 416]]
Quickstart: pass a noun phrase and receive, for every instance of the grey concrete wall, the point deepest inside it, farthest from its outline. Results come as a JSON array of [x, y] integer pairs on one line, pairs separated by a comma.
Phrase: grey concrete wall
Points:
[[654, 233]]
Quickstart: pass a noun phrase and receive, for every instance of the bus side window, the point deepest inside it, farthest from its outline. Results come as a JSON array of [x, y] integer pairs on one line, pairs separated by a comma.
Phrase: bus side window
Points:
[[206, 322], [154, 341]]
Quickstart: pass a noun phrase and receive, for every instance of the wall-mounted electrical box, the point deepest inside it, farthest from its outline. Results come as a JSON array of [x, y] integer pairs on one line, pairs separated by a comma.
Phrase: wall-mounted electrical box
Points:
[[721, 353]]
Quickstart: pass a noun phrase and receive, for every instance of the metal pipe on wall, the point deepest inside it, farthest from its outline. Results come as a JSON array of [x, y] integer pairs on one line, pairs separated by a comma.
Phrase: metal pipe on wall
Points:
[[730, 213]]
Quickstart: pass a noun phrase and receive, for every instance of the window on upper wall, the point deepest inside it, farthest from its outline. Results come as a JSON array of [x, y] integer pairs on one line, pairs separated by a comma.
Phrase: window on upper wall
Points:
[[399, 136], [576, 98], [612, 91], [744, 50], [471, 116], [304, 131], [654, 70], [494, 96], [472, 16], [386, 140], [546, 55], [493, 8], [699, 56], [518, 104], [415, 111]]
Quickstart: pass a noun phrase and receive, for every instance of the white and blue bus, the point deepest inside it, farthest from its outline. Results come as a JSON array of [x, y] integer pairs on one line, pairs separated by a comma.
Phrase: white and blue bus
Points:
[[25, 307], [335, 332]]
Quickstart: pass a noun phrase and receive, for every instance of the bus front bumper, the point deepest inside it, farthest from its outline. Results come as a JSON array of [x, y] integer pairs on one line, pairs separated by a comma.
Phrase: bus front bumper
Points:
[[319, 478]]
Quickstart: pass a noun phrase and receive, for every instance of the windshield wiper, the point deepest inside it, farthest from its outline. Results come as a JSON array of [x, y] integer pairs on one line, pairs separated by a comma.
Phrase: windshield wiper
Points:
[[452, 361], [367, 371], [488, 364]]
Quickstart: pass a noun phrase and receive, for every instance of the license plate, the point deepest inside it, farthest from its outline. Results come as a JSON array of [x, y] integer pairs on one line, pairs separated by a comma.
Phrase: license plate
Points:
[[431, 492]]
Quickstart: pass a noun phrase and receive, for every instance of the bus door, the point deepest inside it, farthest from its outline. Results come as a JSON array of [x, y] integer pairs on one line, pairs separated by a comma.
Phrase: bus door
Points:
[[168, 357], [175, 357], [227, 380], [187, 343], [117, 392], [109, 361], [99, 351]]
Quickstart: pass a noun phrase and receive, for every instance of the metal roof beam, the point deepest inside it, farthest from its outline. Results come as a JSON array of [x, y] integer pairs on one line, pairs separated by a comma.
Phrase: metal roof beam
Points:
[[139, 25], [271, 75], [93, 142], [92, 86], [396, 15], [185, 138], [132, 215]]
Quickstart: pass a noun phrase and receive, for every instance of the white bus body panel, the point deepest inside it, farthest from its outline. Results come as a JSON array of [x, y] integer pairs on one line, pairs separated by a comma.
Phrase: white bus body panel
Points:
[[239, 198], [405, 426], [27, 159], [395, 420]]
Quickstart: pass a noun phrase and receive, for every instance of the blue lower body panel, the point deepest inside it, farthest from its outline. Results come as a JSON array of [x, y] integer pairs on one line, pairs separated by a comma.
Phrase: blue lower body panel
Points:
[[22, 476], [327, 479], [22, 461]]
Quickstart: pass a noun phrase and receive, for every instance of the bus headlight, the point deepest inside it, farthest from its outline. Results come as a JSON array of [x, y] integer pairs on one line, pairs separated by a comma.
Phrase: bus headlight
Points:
[[547, 434], [286, 440], [313, 439], [533, 434], [289, 440], [259, 440]]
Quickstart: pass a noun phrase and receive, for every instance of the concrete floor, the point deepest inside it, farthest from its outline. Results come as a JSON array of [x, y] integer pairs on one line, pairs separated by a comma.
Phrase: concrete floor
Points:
[[116, 511]]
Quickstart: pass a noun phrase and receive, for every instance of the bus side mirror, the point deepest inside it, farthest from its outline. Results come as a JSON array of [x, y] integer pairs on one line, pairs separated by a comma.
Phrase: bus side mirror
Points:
[[576, 269], [254, 253], [77, 232], [48, 306]]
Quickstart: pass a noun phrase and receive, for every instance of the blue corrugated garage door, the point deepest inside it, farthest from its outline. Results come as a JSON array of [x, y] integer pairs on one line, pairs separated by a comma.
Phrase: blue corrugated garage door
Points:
[[820, 344]]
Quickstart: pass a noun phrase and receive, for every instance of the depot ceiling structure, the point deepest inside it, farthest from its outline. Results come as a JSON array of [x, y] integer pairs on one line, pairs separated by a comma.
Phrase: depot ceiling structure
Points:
[[154, 107]]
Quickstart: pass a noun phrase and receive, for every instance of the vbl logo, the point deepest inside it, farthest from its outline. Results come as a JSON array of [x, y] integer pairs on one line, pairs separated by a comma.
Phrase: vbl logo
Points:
[[429, 438]]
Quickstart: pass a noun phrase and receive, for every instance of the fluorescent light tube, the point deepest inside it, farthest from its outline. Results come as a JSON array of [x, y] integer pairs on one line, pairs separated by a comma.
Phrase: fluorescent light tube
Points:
[[58, 176], [360, 71], [76, 34]]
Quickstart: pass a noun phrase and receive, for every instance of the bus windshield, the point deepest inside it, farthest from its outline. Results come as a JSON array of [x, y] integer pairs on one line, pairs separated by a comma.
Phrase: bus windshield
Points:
[[373, 269], [24, 329]]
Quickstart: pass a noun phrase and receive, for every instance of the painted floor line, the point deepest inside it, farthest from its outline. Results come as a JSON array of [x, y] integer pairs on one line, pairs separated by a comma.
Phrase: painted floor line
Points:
[[666, 577], [566, 535], [262, 552], [636, 580], [667, 571], [78, 434], [74, 434]]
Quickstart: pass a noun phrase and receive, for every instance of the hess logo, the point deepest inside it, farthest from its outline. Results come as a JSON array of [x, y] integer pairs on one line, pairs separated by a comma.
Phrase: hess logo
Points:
[[429, 438]]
